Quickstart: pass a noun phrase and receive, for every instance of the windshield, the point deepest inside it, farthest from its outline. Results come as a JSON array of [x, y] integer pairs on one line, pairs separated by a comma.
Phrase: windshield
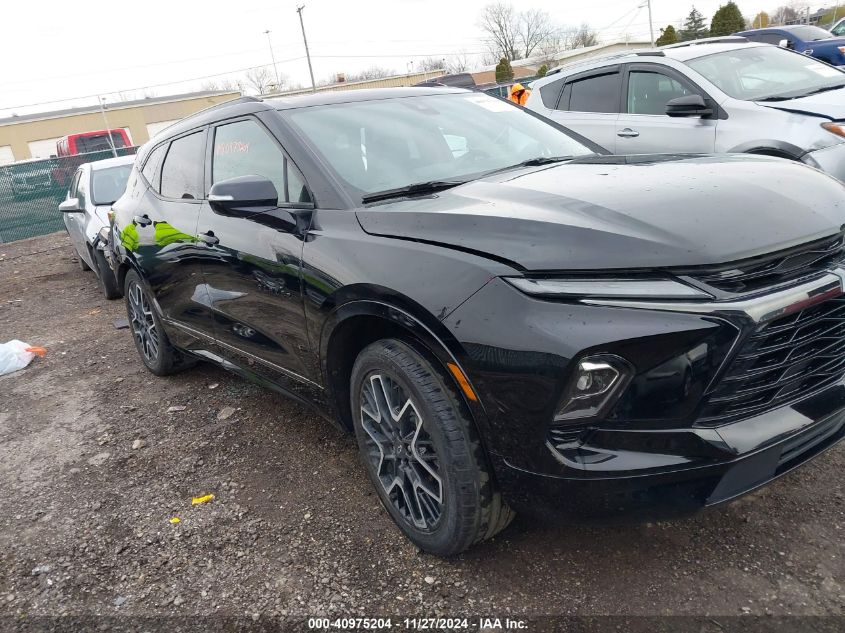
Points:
[[809, 33], [765, 72], [107, 185], [839, 29], [391, 143]]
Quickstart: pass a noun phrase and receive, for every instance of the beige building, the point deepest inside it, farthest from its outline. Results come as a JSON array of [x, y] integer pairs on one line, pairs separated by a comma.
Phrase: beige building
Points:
[[35, 135]]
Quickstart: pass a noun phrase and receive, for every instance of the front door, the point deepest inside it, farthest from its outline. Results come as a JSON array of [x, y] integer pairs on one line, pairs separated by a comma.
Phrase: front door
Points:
[[252, 264], [645, 128]]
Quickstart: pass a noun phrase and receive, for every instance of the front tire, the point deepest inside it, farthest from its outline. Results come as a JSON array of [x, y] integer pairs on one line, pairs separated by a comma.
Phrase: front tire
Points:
[[421, 452], [154, 348]]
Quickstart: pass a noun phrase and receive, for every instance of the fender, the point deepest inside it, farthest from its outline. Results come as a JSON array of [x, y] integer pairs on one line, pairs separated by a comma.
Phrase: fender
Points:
[[763, 145], [434, 336]]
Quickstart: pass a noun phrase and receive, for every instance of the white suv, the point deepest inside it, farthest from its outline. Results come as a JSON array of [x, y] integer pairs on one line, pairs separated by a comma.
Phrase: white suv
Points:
[[721, 95]]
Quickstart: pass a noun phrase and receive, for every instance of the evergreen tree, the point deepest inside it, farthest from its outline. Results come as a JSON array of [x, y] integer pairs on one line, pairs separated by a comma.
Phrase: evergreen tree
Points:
[[727, 20], [695, 26], [504, 71], [667, 36], [542, 70]]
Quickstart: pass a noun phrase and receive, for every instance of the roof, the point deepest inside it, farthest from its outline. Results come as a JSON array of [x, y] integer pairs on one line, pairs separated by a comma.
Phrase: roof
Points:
[[55, 114], [97, 165], [354, 96]]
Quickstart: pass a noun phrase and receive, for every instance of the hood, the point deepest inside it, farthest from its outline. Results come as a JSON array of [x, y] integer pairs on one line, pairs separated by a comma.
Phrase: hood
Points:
[[828, 105], [617, 212]]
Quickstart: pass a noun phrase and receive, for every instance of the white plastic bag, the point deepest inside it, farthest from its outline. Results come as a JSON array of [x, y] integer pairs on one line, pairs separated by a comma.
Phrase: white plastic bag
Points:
[[16, 355]]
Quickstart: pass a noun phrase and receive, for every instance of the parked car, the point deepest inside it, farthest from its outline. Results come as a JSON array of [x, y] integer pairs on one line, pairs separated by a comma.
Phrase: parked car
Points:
[[495, 323], [721, 96], [30, 178], [72, 149], [802, 38], [93, 189]]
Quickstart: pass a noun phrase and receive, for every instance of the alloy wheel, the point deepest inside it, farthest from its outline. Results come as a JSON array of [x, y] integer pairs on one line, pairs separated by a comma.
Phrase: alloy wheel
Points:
[[143, 323], [401, 451]]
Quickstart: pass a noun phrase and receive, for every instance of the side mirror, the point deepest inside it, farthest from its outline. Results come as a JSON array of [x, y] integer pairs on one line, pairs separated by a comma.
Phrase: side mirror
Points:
[[786, 44], [71, 205], [689, 106], [243, 196]]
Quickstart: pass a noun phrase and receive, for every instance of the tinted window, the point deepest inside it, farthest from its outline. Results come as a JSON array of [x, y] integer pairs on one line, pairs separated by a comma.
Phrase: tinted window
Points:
[[387, 143], [550, 93], [246, 149], [151, 167], [595, 94], [98, 142], [181, 173], [74, 184], [82, 192], [767, 38], [107, 185], [648, 93], [809, 33]]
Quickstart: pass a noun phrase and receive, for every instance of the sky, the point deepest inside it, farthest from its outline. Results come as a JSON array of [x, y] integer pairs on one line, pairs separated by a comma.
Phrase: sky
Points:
[[56, 54]]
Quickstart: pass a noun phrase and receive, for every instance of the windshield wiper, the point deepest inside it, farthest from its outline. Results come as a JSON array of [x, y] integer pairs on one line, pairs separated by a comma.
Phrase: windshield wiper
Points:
[[537, 161], [419, 188]]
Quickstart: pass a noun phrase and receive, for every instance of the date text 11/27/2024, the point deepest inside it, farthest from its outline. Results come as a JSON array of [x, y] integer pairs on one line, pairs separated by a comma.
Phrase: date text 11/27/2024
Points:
[[418, 624]]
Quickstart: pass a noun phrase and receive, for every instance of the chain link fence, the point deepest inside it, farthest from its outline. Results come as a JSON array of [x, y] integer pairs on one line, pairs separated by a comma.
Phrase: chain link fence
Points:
[[30, 192]]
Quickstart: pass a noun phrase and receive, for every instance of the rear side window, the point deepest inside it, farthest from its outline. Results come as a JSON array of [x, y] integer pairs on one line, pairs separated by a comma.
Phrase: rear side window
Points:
[[245, 148], [599, 93], [181, 173], [152, 167], [550, 93]]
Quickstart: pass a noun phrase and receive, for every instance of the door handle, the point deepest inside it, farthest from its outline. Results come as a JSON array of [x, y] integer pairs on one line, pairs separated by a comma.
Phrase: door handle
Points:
[[627, 133], [142, 220], [209, 238]]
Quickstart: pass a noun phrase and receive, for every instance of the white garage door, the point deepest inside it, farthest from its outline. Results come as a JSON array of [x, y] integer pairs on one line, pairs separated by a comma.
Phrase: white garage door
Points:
[[43, 148], [155, 128], [6, 155]]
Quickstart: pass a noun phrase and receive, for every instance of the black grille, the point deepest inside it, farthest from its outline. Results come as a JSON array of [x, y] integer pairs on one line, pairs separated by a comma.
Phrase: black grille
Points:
[[782, 361], [566, 436], [768, 270]]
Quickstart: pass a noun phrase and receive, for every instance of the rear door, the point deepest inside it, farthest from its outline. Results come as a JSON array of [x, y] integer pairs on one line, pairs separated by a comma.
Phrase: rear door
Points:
[[589, 103], [75, 222], [252, 264], [162, 236], [645, 128]]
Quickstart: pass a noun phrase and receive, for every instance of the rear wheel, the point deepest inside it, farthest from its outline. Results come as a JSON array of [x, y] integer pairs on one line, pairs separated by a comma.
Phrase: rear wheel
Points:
[[155, 349], [421, 452], [108, 282]]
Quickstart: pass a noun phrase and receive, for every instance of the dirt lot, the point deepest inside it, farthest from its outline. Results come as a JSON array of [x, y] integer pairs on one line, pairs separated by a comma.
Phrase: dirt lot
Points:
[[294, 529]]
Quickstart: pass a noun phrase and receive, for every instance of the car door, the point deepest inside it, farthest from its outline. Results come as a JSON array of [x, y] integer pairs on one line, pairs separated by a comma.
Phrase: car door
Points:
[[589, 104], [75, 222], [252, 264], [645, 128], [162, 236]]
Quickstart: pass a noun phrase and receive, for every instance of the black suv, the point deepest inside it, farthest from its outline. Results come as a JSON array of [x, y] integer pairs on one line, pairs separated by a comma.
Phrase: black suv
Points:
[[504, 315]]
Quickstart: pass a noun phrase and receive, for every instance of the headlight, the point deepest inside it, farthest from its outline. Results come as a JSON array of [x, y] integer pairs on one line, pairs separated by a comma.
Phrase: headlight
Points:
[[835, 128], [626, 288], [595, 385]]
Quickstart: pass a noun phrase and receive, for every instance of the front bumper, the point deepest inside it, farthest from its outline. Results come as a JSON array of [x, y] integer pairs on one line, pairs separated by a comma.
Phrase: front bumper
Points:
[[655, 454], [747, 454]]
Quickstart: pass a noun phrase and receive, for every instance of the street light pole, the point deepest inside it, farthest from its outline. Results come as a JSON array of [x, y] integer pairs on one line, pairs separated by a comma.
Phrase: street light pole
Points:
[[273, 57], [106, 121], [650, 22], [307, 54]]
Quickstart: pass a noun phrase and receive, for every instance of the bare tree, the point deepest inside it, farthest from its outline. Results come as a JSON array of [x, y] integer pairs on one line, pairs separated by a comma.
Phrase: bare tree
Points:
[[499, 21], [429, 64], [259, 79], [584, 37], [373, 72], [533, 28], [458, 63]]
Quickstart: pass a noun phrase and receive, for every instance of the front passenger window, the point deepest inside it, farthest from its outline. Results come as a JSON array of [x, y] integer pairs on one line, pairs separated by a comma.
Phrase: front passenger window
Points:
[[648, 93], [244, 148], [181, 173]]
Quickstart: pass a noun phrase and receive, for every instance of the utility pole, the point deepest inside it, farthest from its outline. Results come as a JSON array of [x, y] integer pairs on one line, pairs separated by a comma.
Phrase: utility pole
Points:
[[650, 22], [102, 101], [273, 57], [307, 54]]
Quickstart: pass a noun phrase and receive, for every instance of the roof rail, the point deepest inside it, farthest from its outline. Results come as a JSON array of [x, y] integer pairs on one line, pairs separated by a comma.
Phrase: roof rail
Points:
[[728, 39], [241, 99], [642, 52]]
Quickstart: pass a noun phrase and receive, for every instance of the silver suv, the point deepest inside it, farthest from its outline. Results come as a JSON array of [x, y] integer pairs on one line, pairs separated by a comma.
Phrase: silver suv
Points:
[[726, 95]]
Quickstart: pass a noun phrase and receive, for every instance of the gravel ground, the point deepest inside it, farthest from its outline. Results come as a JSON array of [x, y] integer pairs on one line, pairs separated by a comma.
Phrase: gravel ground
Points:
[[97, 457]]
